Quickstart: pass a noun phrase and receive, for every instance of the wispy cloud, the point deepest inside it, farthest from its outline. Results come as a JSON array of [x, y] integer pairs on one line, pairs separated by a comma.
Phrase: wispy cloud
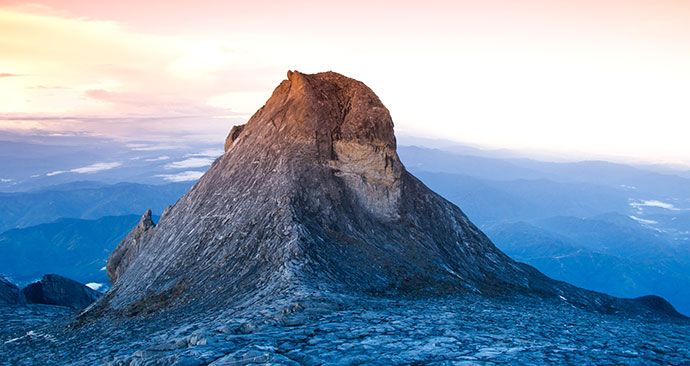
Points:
[[190, 163], [208, 152], [182, 176], [644, 221], [654, 203], [47, 87], [162, 157], [130, 84], [154, 147], [93, 168]]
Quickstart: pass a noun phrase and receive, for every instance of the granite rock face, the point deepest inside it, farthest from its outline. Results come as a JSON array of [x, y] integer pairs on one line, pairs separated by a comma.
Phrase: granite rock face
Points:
[[9, 293], [128, 248], [61, 291], [310, 194]]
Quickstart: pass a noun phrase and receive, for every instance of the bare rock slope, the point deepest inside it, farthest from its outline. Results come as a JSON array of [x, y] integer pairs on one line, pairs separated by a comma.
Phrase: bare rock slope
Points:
[[311, 195]]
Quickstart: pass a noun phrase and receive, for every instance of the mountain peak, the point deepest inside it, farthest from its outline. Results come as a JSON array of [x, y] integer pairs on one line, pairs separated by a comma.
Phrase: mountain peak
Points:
[[327, 107], [311, 195], [344, 126]]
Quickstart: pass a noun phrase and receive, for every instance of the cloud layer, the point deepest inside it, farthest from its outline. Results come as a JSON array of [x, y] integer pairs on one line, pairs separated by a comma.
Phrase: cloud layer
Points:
[[93, 168], [185, 176]]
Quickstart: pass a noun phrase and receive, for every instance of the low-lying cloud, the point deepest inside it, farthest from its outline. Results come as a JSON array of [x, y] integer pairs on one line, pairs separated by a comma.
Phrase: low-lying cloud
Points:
[[654, 203], [93, 168], [185, 176], [208, 152], [644, 221], [190, 163], [162, 157]]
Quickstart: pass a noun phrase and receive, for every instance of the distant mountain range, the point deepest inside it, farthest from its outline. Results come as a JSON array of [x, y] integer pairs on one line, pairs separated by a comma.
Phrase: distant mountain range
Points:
[[604, 226], [73, 248], [70, 229], [600, 255], [39, 161], [85, 200]]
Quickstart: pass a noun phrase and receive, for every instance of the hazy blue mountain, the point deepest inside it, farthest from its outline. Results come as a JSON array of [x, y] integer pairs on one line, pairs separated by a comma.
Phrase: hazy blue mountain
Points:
[[432, 160], [646, 184], [572, 255], [605, 226], [487, 202], [609, 227], [674, 223], [73, 248], [34, 162], [85, 200], [613, 174], [613, 234]]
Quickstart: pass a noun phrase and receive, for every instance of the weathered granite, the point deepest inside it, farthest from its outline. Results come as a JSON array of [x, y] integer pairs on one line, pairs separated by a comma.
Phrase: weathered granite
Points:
[[128, 248], [450, 330]]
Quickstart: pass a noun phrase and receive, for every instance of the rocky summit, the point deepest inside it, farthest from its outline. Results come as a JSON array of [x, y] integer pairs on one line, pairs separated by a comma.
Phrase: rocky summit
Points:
[[308, 242]]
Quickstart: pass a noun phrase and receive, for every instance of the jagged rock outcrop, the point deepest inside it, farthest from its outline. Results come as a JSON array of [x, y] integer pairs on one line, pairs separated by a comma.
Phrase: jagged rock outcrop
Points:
[[9, 293], [57, 290], [311, 196], [128, 248], [235, 131]]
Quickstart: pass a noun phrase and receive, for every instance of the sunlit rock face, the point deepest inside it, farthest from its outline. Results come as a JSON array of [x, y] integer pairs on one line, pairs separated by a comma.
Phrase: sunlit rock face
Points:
[[311, 196]]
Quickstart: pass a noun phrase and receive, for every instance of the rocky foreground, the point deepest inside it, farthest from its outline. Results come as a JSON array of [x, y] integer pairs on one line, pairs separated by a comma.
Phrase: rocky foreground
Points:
[[464, 330]]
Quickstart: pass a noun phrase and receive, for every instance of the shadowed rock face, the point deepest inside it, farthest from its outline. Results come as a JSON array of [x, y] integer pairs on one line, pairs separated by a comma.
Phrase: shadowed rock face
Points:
[[58, 290], [9, 293], [311, 196], [128, 248]]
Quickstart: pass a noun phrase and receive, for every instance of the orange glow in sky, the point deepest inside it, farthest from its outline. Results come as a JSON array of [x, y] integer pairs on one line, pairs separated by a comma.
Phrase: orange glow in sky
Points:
[[587, 78]]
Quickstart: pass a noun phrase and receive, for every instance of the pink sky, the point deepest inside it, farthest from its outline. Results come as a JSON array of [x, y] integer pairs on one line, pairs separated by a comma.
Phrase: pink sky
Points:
[[591, 78]]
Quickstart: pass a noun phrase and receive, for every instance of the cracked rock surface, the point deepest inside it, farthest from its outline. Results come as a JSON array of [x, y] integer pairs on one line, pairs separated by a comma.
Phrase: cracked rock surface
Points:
[[454, 330]]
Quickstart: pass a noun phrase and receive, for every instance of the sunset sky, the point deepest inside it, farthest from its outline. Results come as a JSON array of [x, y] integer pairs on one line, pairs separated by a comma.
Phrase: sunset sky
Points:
[[582, 78]]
